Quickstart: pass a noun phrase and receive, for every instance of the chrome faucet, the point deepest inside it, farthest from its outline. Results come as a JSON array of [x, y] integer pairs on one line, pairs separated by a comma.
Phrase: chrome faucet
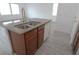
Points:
[[23, 15]]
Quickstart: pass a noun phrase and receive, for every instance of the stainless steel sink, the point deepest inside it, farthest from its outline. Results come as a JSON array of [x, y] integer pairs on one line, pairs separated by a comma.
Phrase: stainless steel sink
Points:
[[27, 24], [33, 23], [22, 26]]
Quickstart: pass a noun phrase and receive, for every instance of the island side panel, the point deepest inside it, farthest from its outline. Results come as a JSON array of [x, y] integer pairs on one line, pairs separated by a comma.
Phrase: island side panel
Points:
[[18, 43]]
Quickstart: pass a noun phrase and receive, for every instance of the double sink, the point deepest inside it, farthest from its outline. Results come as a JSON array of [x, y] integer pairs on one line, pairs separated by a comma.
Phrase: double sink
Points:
[[27, 24]]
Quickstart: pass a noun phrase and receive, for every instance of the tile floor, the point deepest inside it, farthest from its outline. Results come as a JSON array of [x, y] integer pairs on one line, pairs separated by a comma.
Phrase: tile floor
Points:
[[57, 44]]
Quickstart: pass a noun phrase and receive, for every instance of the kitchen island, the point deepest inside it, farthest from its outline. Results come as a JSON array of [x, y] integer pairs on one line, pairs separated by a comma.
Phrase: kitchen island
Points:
[[27, 37]]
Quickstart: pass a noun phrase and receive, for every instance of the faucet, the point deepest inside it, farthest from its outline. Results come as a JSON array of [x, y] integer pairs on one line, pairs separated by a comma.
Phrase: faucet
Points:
[[23, 15]]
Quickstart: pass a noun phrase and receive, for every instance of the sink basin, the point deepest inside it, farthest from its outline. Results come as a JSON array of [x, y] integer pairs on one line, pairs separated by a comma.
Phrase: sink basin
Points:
[[33, 23], [22, 26], [27, 24]]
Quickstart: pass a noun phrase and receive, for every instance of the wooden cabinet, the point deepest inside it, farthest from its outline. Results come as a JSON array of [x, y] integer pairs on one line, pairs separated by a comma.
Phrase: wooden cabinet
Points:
[[76, 43], [31, 42], [40, 35], [18, 43], [27, 43]]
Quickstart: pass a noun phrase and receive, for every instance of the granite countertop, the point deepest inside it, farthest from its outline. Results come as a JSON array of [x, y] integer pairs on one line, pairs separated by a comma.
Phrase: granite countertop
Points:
[[12, 27]]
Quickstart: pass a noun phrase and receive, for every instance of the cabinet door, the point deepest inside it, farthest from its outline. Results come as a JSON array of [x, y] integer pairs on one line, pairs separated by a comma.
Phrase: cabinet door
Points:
[[31, 42], [40, 35], [18, 43], [76, 43]]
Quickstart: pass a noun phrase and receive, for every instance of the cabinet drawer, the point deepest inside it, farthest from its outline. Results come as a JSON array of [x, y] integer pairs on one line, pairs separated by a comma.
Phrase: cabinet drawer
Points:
[[31, 33]]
